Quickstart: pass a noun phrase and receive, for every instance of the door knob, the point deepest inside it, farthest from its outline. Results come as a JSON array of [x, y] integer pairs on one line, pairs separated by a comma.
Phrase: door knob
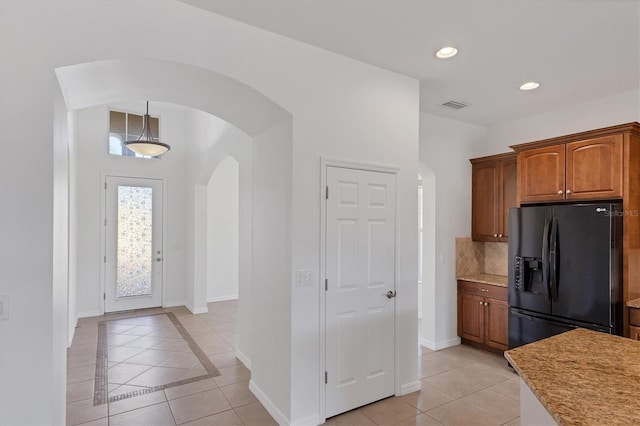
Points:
[[391, 294], [158, 259]]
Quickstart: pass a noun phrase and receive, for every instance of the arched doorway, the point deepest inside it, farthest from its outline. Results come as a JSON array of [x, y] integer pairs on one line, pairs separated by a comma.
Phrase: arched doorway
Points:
[[266, 126]]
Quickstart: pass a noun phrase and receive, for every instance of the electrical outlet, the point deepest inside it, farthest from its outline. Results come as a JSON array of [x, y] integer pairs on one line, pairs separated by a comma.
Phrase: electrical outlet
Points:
[[4, 306]]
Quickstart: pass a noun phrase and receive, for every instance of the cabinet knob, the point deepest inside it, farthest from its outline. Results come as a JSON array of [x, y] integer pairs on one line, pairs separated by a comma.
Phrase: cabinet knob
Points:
[[499, 235], [568, 191], [560, 192], [486, 304], [484, 289], [481, 303], [495, 235]]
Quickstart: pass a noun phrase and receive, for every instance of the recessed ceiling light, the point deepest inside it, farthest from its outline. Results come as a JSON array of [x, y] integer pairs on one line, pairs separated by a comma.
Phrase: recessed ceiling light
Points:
[[447, 52], [530, 85]]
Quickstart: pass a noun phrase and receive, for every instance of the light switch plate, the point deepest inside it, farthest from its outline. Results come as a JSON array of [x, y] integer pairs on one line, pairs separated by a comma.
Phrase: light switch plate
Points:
[[305, 278], [4, 306]]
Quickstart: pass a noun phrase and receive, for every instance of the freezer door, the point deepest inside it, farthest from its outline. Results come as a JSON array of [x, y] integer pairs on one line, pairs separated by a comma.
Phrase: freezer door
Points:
[[528, 267], [524, 328]]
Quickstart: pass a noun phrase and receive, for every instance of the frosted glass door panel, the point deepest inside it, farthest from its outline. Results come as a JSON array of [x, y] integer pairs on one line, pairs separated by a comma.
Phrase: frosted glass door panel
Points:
[[135, 239], [133, 243]]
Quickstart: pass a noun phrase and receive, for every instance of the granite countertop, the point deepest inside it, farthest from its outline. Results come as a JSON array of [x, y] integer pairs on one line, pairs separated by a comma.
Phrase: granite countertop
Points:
[[497, 280], [583, 377], [635, 303]]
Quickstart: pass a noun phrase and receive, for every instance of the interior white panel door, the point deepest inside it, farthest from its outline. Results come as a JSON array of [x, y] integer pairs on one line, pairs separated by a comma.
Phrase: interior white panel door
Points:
[[133, 243], [360, 303]]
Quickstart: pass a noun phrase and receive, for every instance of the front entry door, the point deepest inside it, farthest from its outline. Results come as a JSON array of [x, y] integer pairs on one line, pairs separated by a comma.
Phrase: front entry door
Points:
[[360, 304], [133, 249]]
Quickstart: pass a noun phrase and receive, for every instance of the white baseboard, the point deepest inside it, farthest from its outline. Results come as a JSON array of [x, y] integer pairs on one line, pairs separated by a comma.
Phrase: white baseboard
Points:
[[436, 346], [411, 387], [313, 419], [173, 304], [268, 405], [243, 359], [196, 311], [89, 314], [222, 298]]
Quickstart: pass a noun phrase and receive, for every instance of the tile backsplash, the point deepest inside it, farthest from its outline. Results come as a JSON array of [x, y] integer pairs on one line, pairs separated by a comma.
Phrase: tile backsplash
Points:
[[474, 257], [495, 258], [469, 256]]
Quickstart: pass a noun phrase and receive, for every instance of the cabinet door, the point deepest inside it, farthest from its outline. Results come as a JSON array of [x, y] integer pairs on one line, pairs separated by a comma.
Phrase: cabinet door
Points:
[[541, 174], [497, 330], [594, 169], [471, 317], [508, 186], [484, 201]]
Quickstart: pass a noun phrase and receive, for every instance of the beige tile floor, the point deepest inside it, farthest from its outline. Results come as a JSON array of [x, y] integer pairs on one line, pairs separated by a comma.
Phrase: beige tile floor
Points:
[[460, 385]]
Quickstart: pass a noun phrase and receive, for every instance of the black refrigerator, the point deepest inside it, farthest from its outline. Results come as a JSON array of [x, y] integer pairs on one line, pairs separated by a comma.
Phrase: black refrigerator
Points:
[[565, 270]]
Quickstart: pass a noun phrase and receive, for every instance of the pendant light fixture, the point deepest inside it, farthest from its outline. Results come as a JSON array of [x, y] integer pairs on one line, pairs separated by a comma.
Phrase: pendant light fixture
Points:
[[146, 144]]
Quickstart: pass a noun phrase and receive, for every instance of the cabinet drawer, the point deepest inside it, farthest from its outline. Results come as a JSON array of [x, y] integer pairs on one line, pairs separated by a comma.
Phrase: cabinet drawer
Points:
[[484, 290], [634, 333], [634, 317]]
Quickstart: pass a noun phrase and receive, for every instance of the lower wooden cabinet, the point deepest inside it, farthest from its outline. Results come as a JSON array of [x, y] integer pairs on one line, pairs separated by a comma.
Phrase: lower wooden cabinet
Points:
[[483, 315]]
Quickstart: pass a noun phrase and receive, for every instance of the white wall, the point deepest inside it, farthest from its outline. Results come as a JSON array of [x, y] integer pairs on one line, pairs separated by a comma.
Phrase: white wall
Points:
[[445, 147], [60, 315], [341, 108], [427, 299], [211, 141], [223, 194], [92, 161], [271, 368], [73, 229], [608, 111]]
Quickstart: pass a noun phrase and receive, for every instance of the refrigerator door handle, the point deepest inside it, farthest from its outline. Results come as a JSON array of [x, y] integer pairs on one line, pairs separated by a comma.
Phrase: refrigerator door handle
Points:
[[553, 260], [545, 258]]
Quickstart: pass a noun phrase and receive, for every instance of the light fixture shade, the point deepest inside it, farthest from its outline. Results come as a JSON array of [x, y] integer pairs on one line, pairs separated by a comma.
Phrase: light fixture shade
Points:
[[148, 148], [145, 144]]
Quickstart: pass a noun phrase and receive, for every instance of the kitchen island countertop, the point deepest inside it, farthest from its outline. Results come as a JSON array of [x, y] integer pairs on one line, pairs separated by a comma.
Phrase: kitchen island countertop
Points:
[[583, 377]]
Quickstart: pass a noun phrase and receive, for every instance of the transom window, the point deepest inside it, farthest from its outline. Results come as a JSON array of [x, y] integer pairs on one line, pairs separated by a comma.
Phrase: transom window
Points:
[[124, 126]]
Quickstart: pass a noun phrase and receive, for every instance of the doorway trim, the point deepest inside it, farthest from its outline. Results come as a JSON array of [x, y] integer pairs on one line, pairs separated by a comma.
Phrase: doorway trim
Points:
[[355, 165], [103, 234]]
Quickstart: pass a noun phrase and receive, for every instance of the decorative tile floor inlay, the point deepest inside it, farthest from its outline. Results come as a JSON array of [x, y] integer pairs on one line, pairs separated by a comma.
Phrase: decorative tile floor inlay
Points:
[[144, 354]]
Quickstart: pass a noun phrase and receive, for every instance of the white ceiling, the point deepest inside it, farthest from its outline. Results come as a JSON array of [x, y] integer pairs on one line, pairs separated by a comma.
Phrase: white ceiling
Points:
[[577, 49]]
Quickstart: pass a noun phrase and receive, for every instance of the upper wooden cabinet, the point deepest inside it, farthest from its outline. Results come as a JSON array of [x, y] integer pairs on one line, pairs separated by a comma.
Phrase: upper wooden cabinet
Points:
[[541, 174], [594, 169], [588, 169], [493, 192]]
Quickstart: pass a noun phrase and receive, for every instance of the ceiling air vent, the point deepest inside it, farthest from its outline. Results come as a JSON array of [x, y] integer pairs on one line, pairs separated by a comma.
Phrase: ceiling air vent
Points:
[[455, 104]]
